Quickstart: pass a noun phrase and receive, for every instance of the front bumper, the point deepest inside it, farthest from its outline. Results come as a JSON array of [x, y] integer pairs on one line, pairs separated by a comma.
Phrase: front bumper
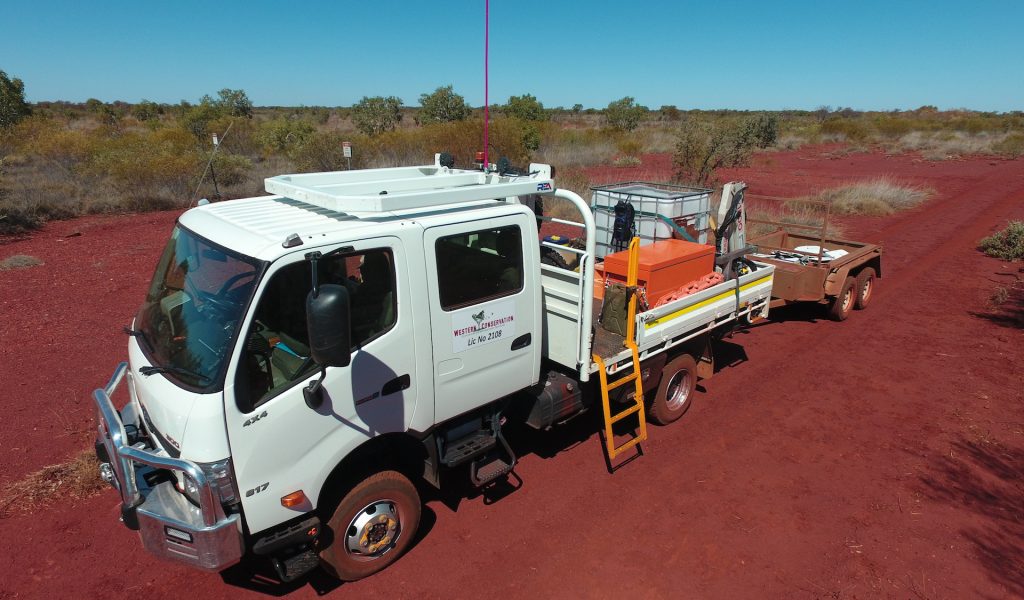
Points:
[[170, 526]]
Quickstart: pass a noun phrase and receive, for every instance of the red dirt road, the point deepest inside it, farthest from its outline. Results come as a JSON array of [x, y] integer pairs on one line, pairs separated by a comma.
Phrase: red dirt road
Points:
[[880, 457]]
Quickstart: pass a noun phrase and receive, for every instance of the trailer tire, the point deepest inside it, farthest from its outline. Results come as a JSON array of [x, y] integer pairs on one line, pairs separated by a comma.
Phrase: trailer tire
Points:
[[842, 304], [372, 526], [675, 391], [865, 288]]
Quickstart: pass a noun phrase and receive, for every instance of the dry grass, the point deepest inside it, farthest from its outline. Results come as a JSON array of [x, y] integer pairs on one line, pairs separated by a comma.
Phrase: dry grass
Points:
[[800, 217], [576, 150], [19, 261], [75, 478], [951, 145], [877, 197], [574, 180]]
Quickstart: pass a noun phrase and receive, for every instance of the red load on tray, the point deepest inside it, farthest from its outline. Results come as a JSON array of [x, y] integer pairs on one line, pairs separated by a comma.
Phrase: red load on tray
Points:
[[711, 279]]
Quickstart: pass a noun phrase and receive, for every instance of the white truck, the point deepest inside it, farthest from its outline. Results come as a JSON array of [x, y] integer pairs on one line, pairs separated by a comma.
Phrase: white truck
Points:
[[301, 359]]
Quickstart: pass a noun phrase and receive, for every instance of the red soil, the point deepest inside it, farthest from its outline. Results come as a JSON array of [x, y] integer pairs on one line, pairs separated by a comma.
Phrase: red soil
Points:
[[878, 457]]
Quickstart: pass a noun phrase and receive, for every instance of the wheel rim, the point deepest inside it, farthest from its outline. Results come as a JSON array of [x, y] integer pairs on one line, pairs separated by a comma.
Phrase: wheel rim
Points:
[[847, 297], [373, 531], [678, 391], [865, 290]]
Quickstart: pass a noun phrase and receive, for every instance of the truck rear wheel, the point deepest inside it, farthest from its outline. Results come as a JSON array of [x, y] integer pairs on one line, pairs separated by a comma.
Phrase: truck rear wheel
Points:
[[675, 392], [843, 303], [865, 287], [372, 527]]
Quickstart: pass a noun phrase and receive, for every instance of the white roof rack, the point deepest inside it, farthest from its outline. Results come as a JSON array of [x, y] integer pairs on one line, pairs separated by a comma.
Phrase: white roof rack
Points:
[[394, 189]]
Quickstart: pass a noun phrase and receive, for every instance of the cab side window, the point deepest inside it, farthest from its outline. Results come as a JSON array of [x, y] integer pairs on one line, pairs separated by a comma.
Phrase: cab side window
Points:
[[478, 266], [276, 353]]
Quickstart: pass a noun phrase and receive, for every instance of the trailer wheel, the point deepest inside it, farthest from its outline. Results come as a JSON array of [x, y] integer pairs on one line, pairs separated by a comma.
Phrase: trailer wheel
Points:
[[675, 392], [372, 527], [865, 287], [843, 303]]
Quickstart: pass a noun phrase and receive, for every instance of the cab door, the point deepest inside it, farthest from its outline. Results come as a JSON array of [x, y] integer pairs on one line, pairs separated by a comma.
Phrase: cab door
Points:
[[279, 445], [484, 295]]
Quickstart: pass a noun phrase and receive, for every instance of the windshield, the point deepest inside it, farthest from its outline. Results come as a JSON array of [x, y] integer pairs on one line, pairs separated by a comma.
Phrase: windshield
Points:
[[193, 309]]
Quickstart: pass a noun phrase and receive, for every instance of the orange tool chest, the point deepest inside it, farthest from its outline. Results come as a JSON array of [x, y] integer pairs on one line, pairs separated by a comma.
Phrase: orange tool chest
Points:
[[665, 265]]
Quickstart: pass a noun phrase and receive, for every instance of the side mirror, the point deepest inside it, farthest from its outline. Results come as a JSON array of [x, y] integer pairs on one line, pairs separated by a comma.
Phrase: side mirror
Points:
[[328, 321]]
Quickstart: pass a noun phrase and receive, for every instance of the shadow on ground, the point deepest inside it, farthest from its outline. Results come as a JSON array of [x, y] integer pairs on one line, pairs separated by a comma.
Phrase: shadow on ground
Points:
[[259, 575], [987, 478]]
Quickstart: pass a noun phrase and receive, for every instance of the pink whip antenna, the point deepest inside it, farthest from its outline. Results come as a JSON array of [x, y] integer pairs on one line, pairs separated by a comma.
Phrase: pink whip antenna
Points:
[[487, 114]]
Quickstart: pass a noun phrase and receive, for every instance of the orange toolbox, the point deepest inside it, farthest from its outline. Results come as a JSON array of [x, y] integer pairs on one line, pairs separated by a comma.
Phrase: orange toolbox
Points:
[[665, 265]]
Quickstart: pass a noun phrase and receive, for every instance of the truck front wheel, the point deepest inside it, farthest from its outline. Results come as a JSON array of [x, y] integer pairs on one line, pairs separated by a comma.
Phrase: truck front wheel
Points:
[[675, 392], [372, 527]]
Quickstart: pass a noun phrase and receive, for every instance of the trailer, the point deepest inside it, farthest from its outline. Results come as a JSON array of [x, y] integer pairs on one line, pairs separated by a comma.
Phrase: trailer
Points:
[[813, 267]]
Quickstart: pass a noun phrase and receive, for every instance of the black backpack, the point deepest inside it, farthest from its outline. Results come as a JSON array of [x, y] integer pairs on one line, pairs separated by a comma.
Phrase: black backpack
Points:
[[623, 229]]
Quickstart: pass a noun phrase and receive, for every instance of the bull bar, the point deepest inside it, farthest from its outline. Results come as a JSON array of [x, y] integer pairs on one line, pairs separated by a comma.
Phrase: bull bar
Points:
[[169, 525]]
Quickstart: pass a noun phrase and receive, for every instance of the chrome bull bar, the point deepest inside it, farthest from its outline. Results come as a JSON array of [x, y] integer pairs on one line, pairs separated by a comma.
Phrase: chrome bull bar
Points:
[[169, 525]]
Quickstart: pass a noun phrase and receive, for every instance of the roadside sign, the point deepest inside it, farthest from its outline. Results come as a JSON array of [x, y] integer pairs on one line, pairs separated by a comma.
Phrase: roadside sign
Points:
[[346, 148]]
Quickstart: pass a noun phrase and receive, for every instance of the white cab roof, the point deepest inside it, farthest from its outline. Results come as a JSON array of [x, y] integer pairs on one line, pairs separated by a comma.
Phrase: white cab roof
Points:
[[403, 188]]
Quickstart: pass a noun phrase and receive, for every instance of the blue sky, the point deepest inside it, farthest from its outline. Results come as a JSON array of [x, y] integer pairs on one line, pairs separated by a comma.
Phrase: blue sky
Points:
[[732, 54]]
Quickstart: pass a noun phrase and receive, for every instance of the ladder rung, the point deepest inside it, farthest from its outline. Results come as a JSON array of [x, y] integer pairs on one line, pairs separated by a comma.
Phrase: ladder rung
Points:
[[623, 381], [622, 415], [626, 446]]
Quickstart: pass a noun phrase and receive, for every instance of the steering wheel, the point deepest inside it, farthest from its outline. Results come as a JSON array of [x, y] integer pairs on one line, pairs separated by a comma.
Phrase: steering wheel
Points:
[[221, 300]]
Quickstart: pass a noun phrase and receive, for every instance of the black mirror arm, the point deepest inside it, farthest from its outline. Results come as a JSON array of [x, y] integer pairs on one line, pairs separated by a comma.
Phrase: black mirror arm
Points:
[[313, 393], [313, 257]]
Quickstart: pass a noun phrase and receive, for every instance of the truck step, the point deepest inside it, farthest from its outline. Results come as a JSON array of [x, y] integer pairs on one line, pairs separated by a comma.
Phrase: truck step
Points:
[[493, 465], [488, 469], [469, 447], [297, 565]]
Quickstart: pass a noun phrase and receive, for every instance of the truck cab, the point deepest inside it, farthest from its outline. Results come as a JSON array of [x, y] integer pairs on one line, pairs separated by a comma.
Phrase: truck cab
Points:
[[222, 450]]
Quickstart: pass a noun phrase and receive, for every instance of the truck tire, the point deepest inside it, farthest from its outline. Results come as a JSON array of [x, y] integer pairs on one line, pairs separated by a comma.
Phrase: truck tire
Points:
[[675, 392], [865, 288], [551, 257], [843, 303], [372, 527]]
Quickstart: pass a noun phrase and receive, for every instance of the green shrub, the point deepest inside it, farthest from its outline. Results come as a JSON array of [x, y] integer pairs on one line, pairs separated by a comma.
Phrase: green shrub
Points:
[[151, 166], [525, 108], [705, 146], [283, 135], [669, 112], [374, 116], [231, 169], [321, 151], [762, 131], [624, 114], [1007, 244], [442, 106], [13, 107], [147, 110]]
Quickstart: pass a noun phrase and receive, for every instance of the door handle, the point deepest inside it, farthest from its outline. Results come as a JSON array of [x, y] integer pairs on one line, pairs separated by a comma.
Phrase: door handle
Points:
[[396, 385], [521, 341]]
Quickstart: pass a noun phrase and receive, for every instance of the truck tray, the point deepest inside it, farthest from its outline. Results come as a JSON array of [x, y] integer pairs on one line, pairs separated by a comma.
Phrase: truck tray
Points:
[[663, 327]]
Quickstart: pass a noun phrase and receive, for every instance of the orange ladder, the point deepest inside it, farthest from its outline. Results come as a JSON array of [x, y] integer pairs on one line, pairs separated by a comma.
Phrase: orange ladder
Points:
[[630, 342]]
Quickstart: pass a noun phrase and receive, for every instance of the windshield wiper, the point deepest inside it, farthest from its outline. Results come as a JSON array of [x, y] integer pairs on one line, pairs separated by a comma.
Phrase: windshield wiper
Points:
[[147, 371], [133, 332]]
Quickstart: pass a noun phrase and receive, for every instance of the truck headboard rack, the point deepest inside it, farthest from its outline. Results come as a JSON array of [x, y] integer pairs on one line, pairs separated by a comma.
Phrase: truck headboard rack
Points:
[[403, 188]]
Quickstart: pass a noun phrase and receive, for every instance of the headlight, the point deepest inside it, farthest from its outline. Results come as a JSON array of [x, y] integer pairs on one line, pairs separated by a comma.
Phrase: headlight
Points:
[[221, 480]]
